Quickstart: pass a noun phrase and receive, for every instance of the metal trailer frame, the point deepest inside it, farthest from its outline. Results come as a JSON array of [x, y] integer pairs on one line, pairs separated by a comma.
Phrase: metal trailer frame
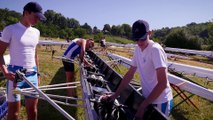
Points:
[[44, 96], [90, 113]]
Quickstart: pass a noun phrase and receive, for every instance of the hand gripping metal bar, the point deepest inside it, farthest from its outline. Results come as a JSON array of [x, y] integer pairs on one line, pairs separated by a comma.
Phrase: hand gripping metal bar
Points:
[[21, 75]]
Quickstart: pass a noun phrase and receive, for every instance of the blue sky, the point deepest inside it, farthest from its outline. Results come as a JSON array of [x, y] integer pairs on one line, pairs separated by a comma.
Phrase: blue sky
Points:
[[159, 13]]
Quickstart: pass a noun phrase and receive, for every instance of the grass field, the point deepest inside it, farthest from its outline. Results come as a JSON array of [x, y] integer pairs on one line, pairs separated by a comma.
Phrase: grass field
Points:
[[52, 72]]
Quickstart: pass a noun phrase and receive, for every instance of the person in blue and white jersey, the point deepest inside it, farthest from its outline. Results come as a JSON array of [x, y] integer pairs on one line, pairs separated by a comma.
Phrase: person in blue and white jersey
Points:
[[77, 47]]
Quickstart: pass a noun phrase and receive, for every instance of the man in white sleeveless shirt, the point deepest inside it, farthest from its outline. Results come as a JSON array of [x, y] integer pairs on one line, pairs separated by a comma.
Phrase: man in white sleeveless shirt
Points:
[[21, 39]]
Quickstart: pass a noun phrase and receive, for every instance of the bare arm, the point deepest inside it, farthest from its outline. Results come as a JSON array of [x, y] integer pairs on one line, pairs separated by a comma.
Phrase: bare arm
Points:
[[36, 59], [158, 89], [37, 64], [126, 79], [3, 47], [83, 49]]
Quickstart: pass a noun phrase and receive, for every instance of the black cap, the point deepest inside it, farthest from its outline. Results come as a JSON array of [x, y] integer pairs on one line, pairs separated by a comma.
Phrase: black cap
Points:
[[36, 8], [140, 30]]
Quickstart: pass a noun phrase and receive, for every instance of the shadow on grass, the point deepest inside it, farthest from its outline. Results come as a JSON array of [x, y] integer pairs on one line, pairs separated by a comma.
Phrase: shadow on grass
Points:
[[48, 112], [206, 60], [178, 114]]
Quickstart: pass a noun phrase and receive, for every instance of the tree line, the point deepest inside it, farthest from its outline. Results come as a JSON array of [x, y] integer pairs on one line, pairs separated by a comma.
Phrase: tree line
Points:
[[191, 36]]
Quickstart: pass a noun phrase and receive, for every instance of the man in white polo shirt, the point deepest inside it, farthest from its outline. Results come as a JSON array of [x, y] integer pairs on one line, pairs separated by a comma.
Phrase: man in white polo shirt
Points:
[[21, 39], [151, 62]]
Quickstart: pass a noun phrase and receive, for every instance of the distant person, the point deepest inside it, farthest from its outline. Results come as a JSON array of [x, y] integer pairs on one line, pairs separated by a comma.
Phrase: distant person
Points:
[[103, 42], [77, 47], [68, 40], [151, 62], [22, 39]]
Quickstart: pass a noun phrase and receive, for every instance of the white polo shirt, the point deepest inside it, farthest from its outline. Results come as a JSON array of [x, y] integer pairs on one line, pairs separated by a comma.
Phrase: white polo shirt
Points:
[[147, 61], [22, 44]]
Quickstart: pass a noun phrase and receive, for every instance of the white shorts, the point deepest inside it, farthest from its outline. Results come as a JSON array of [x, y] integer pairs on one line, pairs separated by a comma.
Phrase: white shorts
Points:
[[165, 107]]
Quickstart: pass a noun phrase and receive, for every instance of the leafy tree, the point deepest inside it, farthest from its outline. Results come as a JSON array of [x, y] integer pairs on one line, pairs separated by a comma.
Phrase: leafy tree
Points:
[[50, 14], [210, 39], [70, 33], [179, 39], [114, 30], [87, 28], [107, 28], [98, 37], [117, 30], [63, 34], [79, 32], [59, 20], [8, 17], [161, 34], [95, 30], [12, 20], [126, 30], [199, 30], [72, 23]]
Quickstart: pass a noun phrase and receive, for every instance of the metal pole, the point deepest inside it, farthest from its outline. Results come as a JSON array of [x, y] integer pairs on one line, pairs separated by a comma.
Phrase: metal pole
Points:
[[54, 85], [21, 75], [58, 88], [56, 101]]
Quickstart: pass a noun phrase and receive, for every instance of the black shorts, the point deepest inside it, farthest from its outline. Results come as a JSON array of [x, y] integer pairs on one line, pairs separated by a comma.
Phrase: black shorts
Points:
[[103, 45], [68, 66]]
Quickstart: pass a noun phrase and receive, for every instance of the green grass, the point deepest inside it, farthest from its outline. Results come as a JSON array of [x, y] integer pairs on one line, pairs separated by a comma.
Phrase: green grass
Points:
[[115, 39]]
